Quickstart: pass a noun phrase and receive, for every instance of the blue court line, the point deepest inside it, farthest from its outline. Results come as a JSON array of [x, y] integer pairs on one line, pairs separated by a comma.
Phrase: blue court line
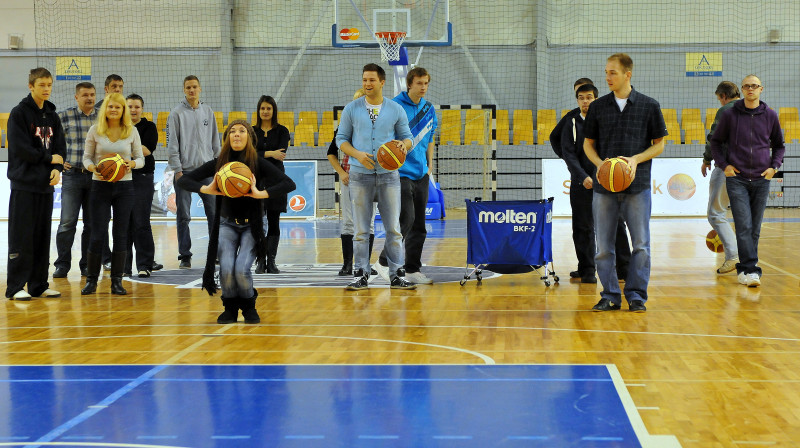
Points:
[[230, 437], [156, 437], [528, 437], [602, 439], [366, 437], [83, 437], [452, 437], [85, 415], [304, 437]]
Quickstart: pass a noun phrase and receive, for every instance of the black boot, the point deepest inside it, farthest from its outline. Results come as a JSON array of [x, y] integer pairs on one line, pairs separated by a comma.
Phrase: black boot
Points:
[[347, 256], [117, 265], [372, 272], [231, 313], [272, 251], [261, 265], [248, 307], [92, 273]]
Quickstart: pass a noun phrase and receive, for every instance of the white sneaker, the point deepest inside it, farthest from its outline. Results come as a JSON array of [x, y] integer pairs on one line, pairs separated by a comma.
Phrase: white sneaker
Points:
[[50, 293], [753, 280], [383, 271], [418, 278], [728, 266], [21, 295], [742, 278]]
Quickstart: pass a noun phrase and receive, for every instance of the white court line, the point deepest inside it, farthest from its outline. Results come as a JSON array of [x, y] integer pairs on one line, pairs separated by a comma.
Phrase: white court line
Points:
[[772, 266], [82, 444], [173, 360]]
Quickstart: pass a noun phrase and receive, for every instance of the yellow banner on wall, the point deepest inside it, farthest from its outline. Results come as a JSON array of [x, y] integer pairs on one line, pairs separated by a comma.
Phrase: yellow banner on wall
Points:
[[703, 64], [77, 68]]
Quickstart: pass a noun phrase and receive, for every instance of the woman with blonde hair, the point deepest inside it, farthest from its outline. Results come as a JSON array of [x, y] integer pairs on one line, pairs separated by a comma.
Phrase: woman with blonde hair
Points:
[[237, 234], [113, 133]]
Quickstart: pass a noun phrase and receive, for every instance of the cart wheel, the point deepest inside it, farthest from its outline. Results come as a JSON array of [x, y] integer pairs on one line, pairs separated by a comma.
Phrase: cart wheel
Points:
[[547, 283], [463, 280], [555, 279], [479, 277]]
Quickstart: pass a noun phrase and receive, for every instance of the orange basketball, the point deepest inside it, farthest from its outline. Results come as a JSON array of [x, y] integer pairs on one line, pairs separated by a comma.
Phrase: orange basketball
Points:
[[111, 167], [390, 156], [614, 175], [233, 179], [713, 242]]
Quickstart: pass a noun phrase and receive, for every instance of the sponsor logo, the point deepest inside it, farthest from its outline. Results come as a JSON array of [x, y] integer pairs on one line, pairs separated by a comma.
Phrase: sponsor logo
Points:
[[349, 34], [508, 216], [297, 203]]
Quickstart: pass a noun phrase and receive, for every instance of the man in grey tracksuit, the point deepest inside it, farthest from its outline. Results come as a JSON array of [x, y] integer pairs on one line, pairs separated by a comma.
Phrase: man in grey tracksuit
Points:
[[192, 140]]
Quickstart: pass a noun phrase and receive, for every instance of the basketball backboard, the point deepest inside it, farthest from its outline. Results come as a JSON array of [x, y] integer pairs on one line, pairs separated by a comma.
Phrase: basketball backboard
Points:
[[425, 22]]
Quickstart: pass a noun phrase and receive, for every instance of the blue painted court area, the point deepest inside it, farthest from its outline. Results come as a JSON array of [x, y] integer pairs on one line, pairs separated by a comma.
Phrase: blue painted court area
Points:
[[314, 406]]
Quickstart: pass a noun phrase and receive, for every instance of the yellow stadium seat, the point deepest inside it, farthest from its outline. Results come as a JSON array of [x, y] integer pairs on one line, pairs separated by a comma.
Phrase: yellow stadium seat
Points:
[[475, 128], [695, 132], [307, 117], [236, 115], [787, 114], [502, 126], [543, 131], [286, 118], [325, 134], [523, 126], [673, 133], [304, 133], [450, 128], [4, 125], [148, 115], [2, 134], [546, 116], [670, 115], [690, 116], [791, 131], [327, 117], [161, 125], [253, 118], [711, 112], [218, 119]]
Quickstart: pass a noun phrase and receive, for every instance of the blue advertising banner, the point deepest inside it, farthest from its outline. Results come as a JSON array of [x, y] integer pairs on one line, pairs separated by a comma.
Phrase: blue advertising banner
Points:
[[509, 232], [302, 201]]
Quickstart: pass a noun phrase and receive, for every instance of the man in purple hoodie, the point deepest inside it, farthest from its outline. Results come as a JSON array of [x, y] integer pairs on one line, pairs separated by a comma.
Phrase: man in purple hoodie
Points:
[[755, 152]]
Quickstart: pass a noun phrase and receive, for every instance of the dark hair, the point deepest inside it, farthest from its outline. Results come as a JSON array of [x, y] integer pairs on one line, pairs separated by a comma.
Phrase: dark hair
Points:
[[416, 72], [134, 96], [581, 82], [624, 60], [271, 101], [727, 88], [375, 68], [586, 88], [83, 85], [113, 77], [37, 73], [249, 157], [190, 78]]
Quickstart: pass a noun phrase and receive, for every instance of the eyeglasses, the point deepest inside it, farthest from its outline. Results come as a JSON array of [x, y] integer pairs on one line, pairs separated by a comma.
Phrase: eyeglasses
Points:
[[750, 86]]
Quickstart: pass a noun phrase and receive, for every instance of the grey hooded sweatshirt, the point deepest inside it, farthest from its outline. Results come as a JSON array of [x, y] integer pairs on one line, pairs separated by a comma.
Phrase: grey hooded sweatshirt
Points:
[[192, 136]]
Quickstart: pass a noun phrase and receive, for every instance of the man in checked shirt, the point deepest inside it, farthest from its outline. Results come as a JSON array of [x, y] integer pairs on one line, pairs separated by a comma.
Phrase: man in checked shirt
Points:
[[76, 182], [629, 125]]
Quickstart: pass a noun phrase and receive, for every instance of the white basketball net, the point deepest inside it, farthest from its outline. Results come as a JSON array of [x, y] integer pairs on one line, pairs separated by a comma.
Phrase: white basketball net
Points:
[[390, 42]]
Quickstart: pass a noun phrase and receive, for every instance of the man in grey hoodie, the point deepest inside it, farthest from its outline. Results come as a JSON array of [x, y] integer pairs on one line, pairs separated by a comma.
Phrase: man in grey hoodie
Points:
[[192, 140]]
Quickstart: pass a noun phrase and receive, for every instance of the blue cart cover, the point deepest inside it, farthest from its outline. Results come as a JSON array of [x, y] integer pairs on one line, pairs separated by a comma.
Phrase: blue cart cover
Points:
[[509, 232]]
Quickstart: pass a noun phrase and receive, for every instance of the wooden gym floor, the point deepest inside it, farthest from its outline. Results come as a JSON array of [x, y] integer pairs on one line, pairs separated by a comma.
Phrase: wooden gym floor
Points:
[[712, 362]]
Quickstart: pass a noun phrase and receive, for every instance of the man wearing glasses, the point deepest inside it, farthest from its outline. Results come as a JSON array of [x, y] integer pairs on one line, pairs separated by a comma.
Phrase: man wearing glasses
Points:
[[752, 132]]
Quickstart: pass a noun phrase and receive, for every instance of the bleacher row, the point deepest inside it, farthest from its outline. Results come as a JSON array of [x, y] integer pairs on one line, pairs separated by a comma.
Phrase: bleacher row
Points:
[[458, 127]]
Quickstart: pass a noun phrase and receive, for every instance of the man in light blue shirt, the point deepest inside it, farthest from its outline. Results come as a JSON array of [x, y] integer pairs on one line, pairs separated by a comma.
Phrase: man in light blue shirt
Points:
[[366, 124]]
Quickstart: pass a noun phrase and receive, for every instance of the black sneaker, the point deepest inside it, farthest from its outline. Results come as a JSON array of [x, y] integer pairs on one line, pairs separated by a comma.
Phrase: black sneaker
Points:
[[637, 306], [575, 274], [60, 273], [360, 281], [157, 266], [186, 263], [605, 305], [589, 279], [399, 281], [144, 273]]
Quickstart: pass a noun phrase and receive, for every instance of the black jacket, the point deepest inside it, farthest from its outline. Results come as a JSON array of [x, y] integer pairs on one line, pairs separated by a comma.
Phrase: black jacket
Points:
[[34, 136]]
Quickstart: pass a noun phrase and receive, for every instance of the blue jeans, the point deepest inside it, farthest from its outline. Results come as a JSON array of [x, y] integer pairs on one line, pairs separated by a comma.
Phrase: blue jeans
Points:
[[635, 210], [363, 189], [75, 189], [718, 212], [748, 201], [183, 199], [236, 252]]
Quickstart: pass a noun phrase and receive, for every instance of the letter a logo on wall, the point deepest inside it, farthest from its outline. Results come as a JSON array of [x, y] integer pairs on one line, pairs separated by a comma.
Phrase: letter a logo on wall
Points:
[[297, 203], [349, 34]]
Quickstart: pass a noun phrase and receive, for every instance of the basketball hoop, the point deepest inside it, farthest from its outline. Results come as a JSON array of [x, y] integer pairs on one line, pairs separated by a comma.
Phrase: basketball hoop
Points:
[[390, 42]]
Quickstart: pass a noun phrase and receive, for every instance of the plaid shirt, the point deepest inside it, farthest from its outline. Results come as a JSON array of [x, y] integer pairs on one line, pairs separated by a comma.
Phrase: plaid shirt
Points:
[[76, 125], [625, 133]]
